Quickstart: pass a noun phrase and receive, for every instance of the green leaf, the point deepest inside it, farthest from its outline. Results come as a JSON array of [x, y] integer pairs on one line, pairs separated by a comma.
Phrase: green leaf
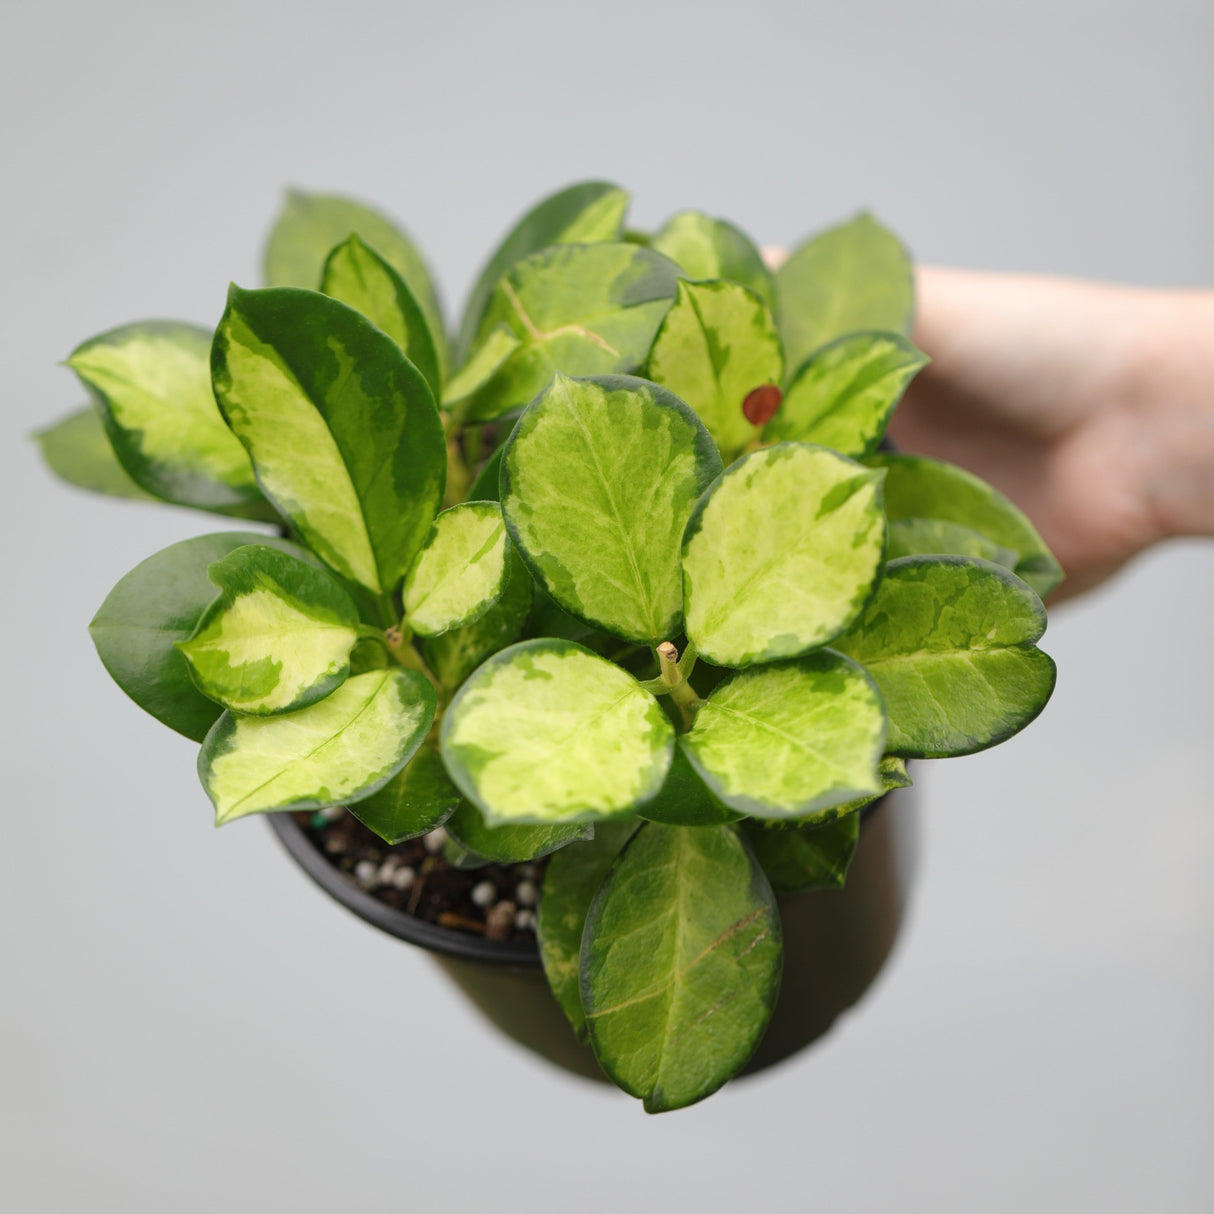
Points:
[[936, 537], [278, 637], [810, 857], [416, 800], [571, 879], [487, 360], [844, 394], [711, 248], [511, 844], [547, 731], [342, 428], [598, 481], [791, 739], [77, 450], [487, 486], [334, 752], [584, 213], [310, 225], [781, 554], [454, 655], [854, 276], [920, 488], [680, 963], [157, 604], [717, 344], [950, 643], [460, 571], [152, 384], [584, 309], [358, 277], [685, 799]]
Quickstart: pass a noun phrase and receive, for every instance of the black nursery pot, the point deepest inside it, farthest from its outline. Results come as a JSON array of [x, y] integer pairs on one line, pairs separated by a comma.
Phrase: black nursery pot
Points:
[[835, 944]]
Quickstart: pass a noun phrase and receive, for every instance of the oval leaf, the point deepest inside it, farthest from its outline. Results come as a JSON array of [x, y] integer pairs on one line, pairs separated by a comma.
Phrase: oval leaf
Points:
[[358, 277], [546, 731], [843, 396], [711, 248], [949, 641], [152, 383], [586, 309], [715, 347], [512, 844], [571, 879], [854, 276], [416, 800], [936, 537], [331, 753], [680, 963], [584, 213], [157, 604], [917, 487], [487, 360], [791, 739], [309, 226], [781, 554], [810, 857], [78, 450], [342, 428], [278, 636], [460, 571], [598, 481]]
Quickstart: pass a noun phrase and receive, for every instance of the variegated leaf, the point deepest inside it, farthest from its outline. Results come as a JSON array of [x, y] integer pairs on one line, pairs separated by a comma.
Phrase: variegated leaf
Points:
[[844, 393], [781, 554], [487, 360], [152, 383], [334, 752], [78, 450], [460, 571], [598, 481], [810, 857], [950, 643], [680, 964], [416, 800], [585, 309], [309, 226], [547, 731], [584, 213], [712, 248], [343, 429], [792, 739], [571, 879], [363, 280], [717, 344], [487, 485], [685, 800], [854, 276], [917, 487], [157, 604], [513, 843], [278, 637], [937, 537]]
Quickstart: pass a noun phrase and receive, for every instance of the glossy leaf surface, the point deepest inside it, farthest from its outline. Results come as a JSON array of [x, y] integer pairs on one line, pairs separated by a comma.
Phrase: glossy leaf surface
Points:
[[416, 800], [680, 963], [336, 751], [810, 857], [571, 879], [77, 450], [460, 571], [342, 428], [278, 636], [937, 537], [780, 555], [854, 276], [598, 481], [920, 488], [716, 345], [361, 279], [705, 247], [546, 731], [513, 843], [152, 383], [843, 395], [950, 643], [791, 739]]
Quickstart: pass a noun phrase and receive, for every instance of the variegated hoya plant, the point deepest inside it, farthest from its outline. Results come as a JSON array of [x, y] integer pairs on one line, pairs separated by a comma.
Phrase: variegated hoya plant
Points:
[[619, 574]]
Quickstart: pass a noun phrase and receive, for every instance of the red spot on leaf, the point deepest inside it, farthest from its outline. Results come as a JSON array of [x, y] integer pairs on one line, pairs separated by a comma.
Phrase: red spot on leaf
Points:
[[760, 405]]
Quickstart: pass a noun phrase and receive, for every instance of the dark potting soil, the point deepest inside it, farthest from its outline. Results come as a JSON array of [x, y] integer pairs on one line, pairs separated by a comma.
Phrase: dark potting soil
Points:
[[496, 901]]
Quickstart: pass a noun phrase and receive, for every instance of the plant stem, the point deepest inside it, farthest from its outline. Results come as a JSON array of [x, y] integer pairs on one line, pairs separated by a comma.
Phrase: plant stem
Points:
[[673, 678], [398, 642], [458, 476]]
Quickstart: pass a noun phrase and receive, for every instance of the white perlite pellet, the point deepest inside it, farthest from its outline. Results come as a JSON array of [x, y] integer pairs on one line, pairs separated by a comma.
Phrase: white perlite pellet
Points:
[[484, 894], [433, 842], [366, 873], [526, 893], [403, 878], [524, 920]]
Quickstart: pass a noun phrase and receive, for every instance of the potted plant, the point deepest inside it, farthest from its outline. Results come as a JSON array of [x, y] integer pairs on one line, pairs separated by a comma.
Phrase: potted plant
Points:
[[613, 601]]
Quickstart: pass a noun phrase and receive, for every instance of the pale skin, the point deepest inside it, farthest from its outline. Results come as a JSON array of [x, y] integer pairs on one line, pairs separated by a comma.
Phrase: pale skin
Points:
[[1090, 405]]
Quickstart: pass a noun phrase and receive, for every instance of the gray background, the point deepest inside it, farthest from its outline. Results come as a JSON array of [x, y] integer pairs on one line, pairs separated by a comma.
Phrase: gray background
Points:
[[187, 1025]]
